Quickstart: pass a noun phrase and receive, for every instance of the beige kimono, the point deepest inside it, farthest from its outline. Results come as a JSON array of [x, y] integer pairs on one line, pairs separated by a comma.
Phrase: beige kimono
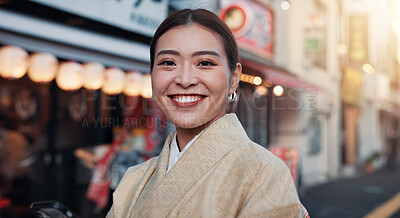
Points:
[[223, 174]]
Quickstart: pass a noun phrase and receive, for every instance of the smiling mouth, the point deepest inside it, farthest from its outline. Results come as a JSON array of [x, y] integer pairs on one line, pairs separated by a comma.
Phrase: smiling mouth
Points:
[[186, 100]]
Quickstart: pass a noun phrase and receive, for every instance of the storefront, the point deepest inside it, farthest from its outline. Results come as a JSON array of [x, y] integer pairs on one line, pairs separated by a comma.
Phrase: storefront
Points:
[[351, 88], [272, 99], [67, 122]]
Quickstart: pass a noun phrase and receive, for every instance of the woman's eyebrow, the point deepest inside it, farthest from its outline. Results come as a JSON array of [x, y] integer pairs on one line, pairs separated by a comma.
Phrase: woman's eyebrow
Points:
[[198, 53], [171, 52]]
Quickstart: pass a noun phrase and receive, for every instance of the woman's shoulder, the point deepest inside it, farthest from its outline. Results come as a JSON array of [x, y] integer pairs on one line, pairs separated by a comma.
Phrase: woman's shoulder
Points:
[[244, 151], [142, 167], [135, 174], [254, 155]]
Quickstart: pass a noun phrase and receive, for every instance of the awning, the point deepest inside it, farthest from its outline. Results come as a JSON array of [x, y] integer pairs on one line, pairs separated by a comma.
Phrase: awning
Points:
[[69, 43], [280, 76]]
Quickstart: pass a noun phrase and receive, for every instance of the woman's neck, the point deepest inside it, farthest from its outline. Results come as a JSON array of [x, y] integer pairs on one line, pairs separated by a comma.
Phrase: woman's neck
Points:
[[183, 136]]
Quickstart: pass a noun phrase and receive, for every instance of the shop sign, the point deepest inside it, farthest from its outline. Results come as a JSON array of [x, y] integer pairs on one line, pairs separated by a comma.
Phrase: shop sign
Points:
[[315, 39], [141, 16], [290, 156], [315, 51], [252, 23], [358, 39], [351, 85]]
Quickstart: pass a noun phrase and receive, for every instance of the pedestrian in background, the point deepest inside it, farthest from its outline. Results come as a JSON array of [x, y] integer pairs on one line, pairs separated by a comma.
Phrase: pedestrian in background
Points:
[[208, 167]]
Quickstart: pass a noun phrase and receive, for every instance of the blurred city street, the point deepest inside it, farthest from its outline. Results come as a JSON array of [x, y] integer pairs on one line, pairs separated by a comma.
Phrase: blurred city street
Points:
[[355, 197], [320, 89]]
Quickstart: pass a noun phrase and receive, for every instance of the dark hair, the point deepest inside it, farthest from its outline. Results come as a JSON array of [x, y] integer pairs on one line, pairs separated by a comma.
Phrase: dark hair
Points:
[[204, 18]]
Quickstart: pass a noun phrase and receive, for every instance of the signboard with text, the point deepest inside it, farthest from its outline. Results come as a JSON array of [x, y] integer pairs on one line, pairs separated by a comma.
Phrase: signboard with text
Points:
[[315, 37], [358, 39], [351, 85], [140, 16], [252, 23]]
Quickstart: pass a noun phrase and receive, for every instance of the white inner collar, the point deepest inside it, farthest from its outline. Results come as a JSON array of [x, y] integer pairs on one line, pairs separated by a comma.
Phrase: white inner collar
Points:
[[174, 153]]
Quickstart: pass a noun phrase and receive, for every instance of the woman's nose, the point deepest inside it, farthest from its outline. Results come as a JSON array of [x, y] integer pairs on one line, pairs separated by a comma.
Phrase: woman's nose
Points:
[[186, 77]]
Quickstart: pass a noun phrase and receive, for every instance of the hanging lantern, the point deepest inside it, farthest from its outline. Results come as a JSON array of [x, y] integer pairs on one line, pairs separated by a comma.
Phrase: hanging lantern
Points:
[[14, 62], [146, 86], [70, 76], [114, 81], [42, 67], [133, 84], [93, 75]]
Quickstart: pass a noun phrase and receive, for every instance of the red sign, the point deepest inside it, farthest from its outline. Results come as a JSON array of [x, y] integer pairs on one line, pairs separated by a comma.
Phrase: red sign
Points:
[[99, 186], [252, 23], [290, 156]]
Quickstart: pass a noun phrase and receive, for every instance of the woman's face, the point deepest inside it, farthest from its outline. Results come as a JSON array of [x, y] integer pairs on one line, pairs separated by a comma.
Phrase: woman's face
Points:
[[191, 78]]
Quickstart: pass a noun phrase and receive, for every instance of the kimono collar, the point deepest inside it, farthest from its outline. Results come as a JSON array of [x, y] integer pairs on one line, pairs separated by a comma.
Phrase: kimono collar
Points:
[[175, 154], [213, 144], [210, 146]]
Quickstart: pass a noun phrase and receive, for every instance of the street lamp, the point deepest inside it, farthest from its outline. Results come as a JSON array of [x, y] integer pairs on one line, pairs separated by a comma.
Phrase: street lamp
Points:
[[285, 5], [278, 90], [368, 68]]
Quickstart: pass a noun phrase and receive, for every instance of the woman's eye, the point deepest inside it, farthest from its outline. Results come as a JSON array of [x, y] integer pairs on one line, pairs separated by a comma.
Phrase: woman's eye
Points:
[[206, 64], [167, 63]]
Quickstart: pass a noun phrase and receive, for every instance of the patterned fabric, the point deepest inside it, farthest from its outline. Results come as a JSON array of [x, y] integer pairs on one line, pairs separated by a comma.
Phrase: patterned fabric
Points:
[[174, 153], [304, 211], [223, 174]]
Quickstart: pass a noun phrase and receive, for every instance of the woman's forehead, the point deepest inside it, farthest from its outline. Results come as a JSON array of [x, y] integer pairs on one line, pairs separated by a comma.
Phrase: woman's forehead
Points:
[[190, 36]]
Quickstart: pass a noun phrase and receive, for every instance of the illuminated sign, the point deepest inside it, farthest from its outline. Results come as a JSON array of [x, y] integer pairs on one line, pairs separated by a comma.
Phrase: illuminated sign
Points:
[[238, 17], [351, 85], [252, 23], [358, 39]]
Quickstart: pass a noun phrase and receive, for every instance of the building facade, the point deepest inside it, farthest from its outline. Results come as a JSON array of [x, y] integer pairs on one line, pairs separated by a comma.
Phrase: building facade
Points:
[[294, 49], [312, 37], [370, 36]]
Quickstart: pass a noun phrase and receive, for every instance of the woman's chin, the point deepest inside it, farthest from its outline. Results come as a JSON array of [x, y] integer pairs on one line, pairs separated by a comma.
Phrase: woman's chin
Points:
[[190, 123]]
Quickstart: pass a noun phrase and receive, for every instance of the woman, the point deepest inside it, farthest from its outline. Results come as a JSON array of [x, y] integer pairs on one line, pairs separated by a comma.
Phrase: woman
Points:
[[208, 167]]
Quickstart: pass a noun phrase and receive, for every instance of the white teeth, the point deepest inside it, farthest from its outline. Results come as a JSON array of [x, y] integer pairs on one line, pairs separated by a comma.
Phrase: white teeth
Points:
[[186, 99]]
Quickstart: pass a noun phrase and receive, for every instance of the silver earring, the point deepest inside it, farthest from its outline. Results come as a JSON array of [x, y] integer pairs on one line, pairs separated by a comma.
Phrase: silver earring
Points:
[[232, 97]]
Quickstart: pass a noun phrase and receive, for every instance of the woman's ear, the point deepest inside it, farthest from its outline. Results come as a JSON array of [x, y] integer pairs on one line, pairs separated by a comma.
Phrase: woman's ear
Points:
[[235, 78]]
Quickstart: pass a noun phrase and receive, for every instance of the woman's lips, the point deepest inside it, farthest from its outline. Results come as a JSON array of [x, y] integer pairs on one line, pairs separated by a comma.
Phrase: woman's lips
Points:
[[186, 100]]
